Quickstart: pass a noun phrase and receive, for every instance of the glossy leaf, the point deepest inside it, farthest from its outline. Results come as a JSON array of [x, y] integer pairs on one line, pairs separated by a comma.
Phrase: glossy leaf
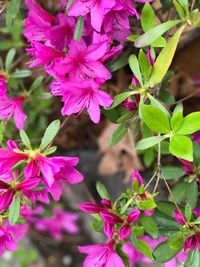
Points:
[[101, 189], [151, 35], [181, 147], [49, 134], [134, 65], [191, 124], [148, 142], [164, 59], [118, 134]]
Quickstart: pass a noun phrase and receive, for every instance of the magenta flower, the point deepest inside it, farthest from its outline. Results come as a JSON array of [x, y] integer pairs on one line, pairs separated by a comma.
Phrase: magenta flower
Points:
[[136, 176], [51, 169], [38, 22], [59, 221], [82, 62], [125, 230], [90, 207], [96, 8], [8, 190], [109, 217], [6, 240], [43, 54], [196, 137], [11, 106], [77, 96], [191, 241], [101, 256], [60, 35]]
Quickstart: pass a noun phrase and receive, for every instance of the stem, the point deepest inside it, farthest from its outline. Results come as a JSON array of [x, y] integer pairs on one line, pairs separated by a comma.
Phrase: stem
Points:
[[192, 5], [152, 178], [172, 196], [158, 167]]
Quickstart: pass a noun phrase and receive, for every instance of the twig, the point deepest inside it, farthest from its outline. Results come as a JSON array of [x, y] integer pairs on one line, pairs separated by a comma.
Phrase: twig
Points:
[[189, 96], [152, 178], [158, 167], [172, 196], [192, 5]]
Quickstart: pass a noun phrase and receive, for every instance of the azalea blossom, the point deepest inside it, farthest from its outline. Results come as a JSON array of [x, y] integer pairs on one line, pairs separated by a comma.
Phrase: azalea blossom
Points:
[[97, 10], [81, 62], [101, 256], [11, 107], [43, 54], [78, 96], [9, 189], [51, 168], [6, 240], [59, 221], [191, 241]]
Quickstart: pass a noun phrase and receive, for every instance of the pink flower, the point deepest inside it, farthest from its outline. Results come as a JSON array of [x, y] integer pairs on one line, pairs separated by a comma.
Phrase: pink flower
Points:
[[8, 190], [125, 230], [90, 207], [136, 176], [6, 240], [59, 221], [180, 218], [77, 96], [60, 35], [196, 137], [38, 22], [97, 10], [110, 217], [11, 106], [82, 62], [101, 256], [52, 169], [43, 54]]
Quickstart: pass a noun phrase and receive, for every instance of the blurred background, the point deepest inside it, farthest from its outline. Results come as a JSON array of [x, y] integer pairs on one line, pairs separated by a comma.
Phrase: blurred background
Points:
[[45, 245]]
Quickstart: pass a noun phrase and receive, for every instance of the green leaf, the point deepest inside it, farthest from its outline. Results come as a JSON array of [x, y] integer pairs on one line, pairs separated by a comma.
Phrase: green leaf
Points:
[[181, 147], [163, 252], [37, 82], [1, 132], [50, 150], [134, 65], [21, 74], [150, 36], [9, 58], [192, 194], [144, 248], [176, 121], [179, 191], [179, 9], [118, 99], [176, 241], [69, 4], [150, 226], [79, 28], [12, 11], [148, 142], [160, 42], [193, 259], [118, 134], [188, 212], [148, 204], [148, 18], [25, 139], [119, 63], [14, 210], [134, 239], [101, 189], [158, 104], [165, 58], [155, 119], [144, 64], [166, 207], [191, 124], [172, 172], [49, 134], [122, 255]]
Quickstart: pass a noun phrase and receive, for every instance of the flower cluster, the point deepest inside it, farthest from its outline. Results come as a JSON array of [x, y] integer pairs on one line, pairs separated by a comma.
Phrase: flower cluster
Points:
[[78, 65], [27, 176]]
